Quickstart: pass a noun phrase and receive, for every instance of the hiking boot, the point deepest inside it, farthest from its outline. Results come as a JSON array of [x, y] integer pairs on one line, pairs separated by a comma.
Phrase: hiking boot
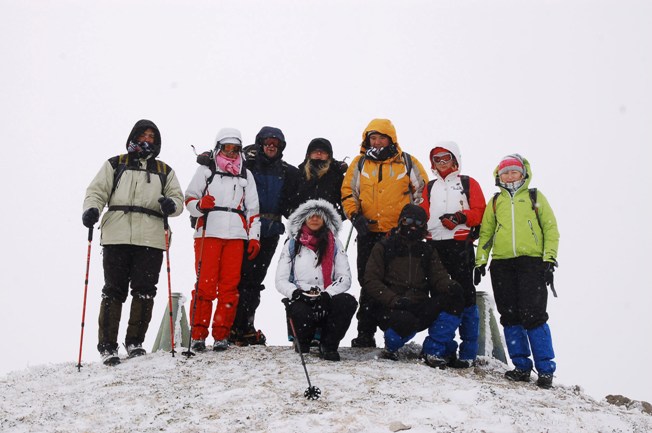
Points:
[[252, 338], [388, 354], [517, 375], [305, 347], [110, 357], [198, 345], [545, 381], [435, 362], [220, 345], [328, 354], [135, 349], [363, 340], [454, 362]]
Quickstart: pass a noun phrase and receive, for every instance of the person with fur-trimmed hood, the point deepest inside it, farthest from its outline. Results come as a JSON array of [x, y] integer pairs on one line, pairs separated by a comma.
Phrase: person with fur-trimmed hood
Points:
[[321, 176], [520, 231], [313, 274], [455, 205], [410, 290], [224, 199], [140, 192], [380, 181]]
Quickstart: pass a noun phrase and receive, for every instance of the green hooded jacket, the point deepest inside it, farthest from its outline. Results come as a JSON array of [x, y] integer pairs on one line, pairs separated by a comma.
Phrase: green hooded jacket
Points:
[[512, 228]]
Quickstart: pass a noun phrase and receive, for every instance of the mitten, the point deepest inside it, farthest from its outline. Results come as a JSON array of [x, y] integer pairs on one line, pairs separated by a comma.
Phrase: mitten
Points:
[[90, 217], [361, 224], [168, 207], [478, 273], [452, 220], [296, 294], [253, 249], [206, 203]]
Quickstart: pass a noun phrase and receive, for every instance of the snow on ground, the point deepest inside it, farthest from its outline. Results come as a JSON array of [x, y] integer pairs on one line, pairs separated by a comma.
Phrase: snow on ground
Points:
[[260, 389]]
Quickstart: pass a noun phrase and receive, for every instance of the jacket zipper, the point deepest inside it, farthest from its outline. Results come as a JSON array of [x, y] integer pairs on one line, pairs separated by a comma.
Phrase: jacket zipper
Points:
[[536, 239]]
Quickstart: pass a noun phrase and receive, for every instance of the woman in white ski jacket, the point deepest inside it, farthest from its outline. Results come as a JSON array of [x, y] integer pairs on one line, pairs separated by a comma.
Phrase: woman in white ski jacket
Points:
[[313, 273], [223, 196]]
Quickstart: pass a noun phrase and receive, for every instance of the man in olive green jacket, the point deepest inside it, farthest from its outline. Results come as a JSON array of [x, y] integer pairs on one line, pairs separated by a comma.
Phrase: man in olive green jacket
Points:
[[140, 193], [520, 230]]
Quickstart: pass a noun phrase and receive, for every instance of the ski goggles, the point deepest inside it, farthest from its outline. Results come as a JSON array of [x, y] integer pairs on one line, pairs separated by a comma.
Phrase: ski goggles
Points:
[[231, 148], [442, 158], [412, 221], [272, 142]]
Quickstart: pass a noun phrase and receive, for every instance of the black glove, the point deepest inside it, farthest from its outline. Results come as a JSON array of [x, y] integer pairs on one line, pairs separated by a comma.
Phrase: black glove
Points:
[[296, 294], [323, 306], [90, 217], [549, 272], [167, 205], [361, 224], [478, 273], [403, 303]]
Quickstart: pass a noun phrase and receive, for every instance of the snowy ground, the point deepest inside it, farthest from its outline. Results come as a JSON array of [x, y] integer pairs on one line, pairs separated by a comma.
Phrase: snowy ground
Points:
[[260, 389]]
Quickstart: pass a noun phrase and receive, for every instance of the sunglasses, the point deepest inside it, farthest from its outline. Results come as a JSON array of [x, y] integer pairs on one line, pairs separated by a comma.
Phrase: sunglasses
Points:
[[412, 221], [443, 159]]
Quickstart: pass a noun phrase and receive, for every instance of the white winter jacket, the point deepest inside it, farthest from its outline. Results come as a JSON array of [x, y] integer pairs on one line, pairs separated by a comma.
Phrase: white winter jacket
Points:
[[307, 274], [237, 202]]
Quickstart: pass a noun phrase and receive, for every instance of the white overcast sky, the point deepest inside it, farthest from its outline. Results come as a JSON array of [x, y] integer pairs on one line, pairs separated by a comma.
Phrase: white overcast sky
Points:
[[566, 84]]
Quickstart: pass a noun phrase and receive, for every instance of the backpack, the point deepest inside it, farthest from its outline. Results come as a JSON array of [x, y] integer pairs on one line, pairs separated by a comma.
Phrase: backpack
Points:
[[208, 159], [121, 163], [474, 233]]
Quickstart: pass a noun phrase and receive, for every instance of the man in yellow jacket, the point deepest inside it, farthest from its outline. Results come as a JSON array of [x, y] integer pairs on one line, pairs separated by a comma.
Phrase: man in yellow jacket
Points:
[[380, 181]]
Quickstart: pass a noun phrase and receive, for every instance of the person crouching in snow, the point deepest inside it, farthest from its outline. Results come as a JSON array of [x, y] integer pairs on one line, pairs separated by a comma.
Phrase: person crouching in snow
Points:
[[520, 230], [455, 205], [313, 273], [412, 291], [223, 195]]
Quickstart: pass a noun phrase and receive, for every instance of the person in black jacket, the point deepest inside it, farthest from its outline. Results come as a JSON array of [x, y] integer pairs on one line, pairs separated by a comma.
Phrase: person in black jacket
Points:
[[321, 176], [276, 183], [410, 290]]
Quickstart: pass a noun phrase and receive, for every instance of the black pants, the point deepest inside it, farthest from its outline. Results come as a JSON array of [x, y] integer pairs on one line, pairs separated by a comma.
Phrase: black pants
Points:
[[458, 257], [333, 326], [251, 284], [131, 264], [408, 322], [366, 321], [520, 291]]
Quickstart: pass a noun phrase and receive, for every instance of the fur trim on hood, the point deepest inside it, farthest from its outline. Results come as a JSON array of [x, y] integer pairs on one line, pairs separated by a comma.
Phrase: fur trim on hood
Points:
[[320, 207]]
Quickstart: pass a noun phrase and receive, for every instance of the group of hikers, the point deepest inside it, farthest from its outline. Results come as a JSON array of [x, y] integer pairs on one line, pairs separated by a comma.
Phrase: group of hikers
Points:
[[416, 261]]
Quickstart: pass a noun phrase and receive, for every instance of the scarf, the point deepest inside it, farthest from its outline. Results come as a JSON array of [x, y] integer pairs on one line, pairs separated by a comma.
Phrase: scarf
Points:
[[383, 153], [308, 239], [228, 165]]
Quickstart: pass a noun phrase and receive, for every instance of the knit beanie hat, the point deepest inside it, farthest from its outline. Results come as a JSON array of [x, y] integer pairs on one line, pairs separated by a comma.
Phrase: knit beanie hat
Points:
[[413, 211], [511, 162], [320, 144]]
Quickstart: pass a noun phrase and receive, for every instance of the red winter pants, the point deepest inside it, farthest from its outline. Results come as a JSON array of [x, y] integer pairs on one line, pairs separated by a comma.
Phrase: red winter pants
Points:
[[221, 260]]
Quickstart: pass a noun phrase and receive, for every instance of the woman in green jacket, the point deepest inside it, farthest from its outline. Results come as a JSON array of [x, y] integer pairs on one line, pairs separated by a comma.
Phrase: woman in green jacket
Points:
[[520, 230]]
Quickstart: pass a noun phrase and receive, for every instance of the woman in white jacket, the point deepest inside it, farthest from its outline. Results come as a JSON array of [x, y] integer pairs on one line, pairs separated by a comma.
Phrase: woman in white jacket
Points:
[[223, 196], [313, 273]]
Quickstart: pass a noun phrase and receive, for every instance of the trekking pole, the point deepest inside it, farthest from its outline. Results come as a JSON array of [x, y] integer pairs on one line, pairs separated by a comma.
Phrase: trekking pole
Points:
[[312, 393], [348, 238], [167, 257], [88, 265], [189, 352]]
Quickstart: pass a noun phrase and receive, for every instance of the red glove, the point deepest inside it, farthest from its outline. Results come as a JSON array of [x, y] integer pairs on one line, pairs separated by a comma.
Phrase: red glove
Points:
[[207, 202], [452, 220], [253, 249]]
